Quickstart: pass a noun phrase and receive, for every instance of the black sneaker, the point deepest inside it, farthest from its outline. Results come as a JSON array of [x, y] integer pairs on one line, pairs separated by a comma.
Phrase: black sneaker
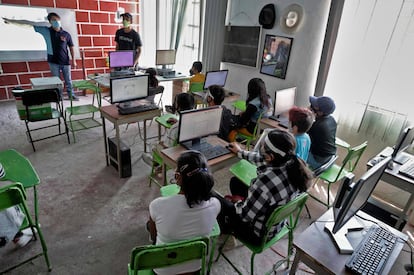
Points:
[[75, 98]]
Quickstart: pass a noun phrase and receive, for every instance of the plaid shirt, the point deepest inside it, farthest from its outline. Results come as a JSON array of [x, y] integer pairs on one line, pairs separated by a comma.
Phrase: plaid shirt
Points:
[[269, 190]]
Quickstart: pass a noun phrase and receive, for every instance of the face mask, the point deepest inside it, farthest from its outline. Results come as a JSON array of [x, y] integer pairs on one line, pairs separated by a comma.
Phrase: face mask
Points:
[[126, 23], [56, 24]]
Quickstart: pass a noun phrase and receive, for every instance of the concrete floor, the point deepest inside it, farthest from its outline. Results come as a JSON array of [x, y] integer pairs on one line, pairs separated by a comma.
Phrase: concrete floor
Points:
[[91, 219]]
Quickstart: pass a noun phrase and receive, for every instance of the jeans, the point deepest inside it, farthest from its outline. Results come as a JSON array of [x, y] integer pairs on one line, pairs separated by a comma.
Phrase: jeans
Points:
[[56, 69]]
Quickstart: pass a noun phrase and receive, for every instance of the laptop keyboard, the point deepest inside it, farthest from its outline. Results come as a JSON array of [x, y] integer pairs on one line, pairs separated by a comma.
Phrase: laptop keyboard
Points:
[[407, 169]]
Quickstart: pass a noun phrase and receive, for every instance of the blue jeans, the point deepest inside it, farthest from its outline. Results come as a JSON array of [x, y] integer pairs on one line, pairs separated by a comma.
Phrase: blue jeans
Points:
[[56, 69]]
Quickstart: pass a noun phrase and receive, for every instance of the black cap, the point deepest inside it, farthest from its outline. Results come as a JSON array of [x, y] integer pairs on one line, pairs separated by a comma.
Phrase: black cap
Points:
[[267, 16], [127, 15]]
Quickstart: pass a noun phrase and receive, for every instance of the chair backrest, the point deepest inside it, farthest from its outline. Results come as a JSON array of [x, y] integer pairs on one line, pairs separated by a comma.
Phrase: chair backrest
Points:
[[196, 87], [156, 90], [352, 158], [40, 96], [257, 124], [11, 195], [157, 256], [290, 210], [87, 85]]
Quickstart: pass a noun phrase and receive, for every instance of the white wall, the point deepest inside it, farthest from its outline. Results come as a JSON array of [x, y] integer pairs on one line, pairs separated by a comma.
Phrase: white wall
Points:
[[305, 53]]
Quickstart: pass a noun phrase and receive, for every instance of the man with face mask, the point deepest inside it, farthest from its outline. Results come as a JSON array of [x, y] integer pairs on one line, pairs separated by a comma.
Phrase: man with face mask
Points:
[[127, 38], [58, 59]]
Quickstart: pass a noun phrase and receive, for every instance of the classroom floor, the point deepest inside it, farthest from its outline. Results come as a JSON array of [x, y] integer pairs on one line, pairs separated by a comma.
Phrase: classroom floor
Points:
[[91, 219]]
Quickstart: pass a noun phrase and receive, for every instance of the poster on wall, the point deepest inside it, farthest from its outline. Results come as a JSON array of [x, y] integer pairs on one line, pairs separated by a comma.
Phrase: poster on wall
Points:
[[276, 52]]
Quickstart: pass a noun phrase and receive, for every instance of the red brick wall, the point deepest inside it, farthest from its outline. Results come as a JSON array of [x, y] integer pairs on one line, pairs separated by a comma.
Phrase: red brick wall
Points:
[[96, 33]]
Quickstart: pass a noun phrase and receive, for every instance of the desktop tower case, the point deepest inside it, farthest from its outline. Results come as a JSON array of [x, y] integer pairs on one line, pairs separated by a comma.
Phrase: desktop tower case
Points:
[[125, 157], [381, 214]]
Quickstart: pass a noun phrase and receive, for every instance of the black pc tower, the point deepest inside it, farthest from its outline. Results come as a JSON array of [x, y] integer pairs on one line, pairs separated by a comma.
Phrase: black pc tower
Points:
[[125, 157]]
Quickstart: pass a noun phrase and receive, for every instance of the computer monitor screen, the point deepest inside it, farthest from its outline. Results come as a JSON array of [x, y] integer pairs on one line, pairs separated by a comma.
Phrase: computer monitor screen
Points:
[[165, 57], [284, 100], [353, 196], [128, 88], [195, 124], [119, 59], [215, 78], [403, 141]]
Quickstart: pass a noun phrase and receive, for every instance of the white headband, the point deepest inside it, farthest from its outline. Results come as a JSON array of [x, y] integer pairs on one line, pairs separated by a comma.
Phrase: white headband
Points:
[[273, 148]]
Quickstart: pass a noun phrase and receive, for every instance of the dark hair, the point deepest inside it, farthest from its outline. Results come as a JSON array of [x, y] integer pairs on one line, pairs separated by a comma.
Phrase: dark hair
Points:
[[257, 88], [183, 102], [198, 66], [196, 180], [153, 81], [299, 174], [127, 15], [51, 14], [218, 94], [302, 118]]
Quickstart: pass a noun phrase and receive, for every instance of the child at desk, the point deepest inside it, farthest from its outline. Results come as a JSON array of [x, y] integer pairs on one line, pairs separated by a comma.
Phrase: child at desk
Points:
[[301, 120], [258, 103], [281, 176]]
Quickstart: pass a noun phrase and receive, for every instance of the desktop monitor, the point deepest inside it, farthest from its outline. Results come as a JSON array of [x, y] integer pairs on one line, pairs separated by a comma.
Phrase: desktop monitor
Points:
[[119, 59], [215, 78], [128, 88], [351, 197], [164, 57], [284, 100], [403, 141], [199, 123]]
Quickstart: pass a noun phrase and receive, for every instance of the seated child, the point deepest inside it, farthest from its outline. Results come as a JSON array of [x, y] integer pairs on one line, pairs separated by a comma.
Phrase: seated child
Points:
[[189, 214], [301, 120], [215, 96]]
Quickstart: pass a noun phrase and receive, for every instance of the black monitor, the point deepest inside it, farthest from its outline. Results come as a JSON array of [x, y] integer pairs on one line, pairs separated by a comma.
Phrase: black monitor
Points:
[[165, 57], [403, 141], [128, 88], [119, 59], [351, 197], [215, 78], [199, 123], [284, 100]]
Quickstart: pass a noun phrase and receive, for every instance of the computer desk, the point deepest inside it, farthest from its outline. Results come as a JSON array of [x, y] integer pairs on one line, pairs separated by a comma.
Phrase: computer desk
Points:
[[268, 123], [315, 248], [170, 156], [392, 177], [110, 113]]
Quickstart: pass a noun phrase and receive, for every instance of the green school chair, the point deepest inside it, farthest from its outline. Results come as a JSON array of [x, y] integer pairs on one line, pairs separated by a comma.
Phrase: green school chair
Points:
[[244, 170], [248, 139], [145, 258], [239, 105], [14, 194], [290, 212]]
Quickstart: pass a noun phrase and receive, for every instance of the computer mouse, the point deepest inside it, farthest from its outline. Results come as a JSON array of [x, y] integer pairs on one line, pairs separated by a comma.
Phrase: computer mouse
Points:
[[375, 160]]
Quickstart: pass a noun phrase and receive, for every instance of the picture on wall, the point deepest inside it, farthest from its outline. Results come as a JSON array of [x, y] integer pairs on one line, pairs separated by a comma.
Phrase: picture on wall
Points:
[[276, 52]]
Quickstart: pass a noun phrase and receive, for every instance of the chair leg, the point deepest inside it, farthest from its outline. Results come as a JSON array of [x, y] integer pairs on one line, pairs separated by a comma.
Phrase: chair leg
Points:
[[30, 136], [252, 263], [307, 211]]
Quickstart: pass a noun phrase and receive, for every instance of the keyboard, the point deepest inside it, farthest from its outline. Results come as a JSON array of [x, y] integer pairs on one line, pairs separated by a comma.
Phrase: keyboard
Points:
[[282, 122], [137, 109], [402, 158], [121, 73], [372, 252], [210, 151], [407, 169]]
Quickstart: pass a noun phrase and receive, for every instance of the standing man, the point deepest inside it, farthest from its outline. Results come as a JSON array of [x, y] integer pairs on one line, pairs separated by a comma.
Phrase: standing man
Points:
[[127, 38], [323, 131], [59, 59]]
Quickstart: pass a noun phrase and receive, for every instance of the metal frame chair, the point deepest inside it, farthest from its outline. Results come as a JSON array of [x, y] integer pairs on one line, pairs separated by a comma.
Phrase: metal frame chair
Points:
[[335, 172], [148, 257], [250, 138], [38, 97], [14, 194], [84, 122], [290, 211]]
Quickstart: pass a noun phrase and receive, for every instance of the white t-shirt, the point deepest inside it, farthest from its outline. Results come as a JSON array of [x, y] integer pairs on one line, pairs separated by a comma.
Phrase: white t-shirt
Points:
[[176, 221]]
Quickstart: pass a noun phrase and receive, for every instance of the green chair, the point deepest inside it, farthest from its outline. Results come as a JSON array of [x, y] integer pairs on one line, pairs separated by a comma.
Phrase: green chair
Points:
[[195, 88], [14, 194], [244, 170], [145, 258], [248, 139], [239, 105], [336, 173], [19, 169], [290, 212], [85, 113], [173, 189]]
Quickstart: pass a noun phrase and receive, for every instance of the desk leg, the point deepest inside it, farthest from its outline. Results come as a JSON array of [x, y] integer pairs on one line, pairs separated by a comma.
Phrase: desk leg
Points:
[[118, 150], [145, 136], [295, 263], [404, 213], [159, 132], [105, 141]]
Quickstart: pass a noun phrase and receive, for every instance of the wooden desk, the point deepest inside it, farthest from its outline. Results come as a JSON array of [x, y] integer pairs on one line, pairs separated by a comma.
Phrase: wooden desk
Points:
[[170, 156], [316, 249], [111, 113], [392, 177]]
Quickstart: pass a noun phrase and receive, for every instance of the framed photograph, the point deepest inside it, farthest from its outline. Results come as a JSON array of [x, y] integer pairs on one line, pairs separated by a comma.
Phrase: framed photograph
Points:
[[276, 52]]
